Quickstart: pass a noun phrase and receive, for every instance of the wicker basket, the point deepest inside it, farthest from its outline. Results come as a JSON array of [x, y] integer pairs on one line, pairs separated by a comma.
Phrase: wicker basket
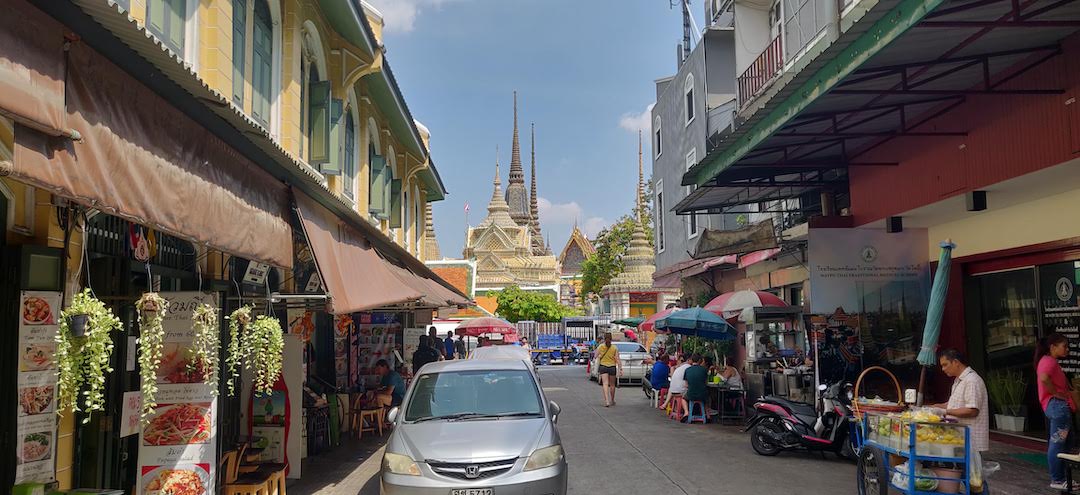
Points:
[[861, 407]]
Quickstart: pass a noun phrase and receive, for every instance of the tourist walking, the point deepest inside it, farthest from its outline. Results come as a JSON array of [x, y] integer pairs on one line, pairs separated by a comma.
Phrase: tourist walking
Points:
[[433, 334], [607, 359], [424, 354], [448, 345], [1056, 400]]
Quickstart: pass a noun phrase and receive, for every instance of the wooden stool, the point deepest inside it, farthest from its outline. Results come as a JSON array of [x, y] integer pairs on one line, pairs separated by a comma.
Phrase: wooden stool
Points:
[[370, 421], [257, 485], [276, 483]]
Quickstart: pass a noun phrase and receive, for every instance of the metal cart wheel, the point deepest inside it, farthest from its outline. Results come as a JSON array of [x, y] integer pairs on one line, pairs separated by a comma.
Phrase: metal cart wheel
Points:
[[872, 472]]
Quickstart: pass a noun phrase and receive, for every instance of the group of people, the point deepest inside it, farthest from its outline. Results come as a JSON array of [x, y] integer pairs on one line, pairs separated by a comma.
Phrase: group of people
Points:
[[685, 378], [431, 348]]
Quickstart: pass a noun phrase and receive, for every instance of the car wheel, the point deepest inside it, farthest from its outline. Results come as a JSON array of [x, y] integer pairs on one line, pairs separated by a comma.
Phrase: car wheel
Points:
[[761, 440]]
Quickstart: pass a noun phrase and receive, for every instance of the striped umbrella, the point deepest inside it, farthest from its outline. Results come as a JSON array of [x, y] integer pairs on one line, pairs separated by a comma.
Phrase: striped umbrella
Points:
[[479, 326], [648, 324]]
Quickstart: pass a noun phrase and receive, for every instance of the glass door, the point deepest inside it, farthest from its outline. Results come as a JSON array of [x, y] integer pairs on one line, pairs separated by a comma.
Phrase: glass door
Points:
[[1009, 310]]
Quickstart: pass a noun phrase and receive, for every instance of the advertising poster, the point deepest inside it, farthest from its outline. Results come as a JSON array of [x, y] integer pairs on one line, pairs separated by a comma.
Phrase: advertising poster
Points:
[[410, 342], [343, 327], [375, 339], [861, 270], [35, 457], [1059, 284], [177, 444]]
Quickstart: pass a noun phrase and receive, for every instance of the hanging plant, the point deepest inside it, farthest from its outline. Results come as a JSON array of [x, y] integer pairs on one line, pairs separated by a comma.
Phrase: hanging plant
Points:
[[83, 361], [237, 352], [264, 345], [206, 344], [152, 308]]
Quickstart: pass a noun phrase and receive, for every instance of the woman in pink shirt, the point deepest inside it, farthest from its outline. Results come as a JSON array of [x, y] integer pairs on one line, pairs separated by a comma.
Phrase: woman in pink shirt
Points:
[[1056, 400]]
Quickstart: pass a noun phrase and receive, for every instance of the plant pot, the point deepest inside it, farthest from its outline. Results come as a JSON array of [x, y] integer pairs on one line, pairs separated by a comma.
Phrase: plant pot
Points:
[[951, 481], [1015, 424], [77, 325]]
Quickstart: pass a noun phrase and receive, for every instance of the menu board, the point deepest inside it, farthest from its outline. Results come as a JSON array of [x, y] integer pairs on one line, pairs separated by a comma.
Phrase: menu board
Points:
[[410, 342], [375, 339], [1061, 307], [177, 445], [39, 314]]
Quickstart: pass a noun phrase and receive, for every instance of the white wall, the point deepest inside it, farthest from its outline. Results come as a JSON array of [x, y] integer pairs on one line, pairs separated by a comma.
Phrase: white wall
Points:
[[751, 31]]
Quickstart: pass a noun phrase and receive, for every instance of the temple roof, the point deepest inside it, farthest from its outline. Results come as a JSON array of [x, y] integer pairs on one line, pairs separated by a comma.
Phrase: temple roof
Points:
[[580, 241]]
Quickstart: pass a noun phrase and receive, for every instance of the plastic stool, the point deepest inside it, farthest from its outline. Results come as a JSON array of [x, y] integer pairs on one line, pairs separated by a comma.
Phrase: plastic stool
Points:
[[658, 397], [678, 411], [703, 417]]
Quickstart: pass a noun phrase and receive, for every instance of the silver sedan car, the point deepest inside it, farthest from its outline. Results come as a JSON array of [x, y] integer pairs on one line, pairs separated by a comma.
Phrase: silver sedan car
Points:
[[474, 427], [632, 355]]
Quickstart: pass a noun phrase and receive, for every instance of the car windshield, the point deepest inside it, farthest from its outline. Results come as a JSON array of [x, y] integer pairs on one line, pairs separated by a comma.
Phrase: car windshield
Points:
[[474, 394], [629, 347]]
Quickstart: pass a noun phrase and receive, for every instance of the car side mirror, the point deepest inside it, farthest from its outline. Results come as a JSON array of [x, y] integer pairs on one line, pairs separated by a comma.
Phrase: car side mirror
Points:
[[391, 416], [554, 408]]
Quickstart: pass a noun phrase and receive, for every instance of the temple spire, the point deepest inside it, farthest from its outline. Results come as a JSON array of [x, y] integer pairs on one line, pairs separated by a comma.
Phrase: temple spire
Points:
[[640, 181], [431, 245], [533, 210], [498, 210], [517, 174], [517, 197]]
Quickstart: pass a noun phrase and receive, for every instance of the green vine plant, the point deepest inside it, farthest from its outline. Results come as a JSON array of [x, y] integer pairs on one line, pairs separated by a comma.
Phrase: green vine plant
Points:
[[152, 309], [206, 345], [236, 353], [264, 344], [84, 361]]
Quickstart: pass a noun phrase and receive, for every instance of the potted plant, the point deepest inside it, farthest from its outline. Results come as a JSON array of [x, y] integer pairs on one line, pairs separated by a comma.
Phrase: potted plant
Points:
[[1006, 389], [152, 308], [82, 361], [264, 344], [236, 353], [206, 344]]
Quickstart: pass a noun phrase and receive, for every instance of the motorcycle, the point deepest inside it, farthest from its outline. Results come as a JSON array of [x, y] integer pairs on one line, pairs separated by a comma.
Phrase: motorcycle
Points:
[[780, 424]]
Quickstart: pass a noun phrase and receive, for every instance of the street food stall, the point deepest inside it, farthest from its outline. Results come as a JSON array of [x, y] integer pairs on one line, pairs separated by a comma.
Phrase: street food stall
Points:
[[777, 361]]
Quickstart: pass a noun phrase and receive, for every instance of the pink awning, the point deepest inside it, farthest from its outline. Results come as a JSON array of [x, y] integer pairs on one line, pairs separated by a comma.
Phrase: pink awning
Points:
[[757, 256]]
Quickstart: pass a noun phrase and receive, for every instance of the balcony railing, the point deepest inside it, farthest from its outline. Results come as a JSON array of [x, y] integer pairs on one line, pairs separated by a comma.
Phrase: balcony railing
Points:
[[761, 71]]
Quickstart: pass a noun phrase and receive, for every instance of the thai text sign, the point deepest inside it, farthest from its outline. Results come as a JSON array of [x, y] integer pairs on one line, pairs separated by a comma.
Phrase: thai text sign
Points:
[[853, 268]]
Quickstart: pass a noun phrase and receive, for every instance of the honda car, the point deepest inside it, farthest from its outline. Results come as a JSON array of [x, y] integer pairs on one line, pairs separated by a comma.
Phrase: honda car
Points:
[[474, 427]]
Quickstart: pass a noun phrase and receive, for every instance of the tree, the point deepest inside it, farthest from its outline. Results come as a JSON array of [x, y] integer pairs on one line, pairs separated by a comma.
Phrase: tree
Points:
[[517, 305], [606, 263]]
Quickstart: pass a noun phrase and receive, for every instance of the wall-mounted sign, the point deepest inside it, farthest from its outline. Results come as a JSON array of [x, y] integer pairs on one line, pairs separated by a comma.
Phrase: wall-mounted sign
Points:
[[35, 456], [862, 269], [256, 273]]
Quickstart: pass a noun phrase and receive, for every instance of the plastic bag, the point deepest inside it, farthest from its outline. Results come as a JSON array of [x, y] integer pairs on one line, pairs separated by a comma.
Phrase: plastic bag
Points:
[[924, 478]]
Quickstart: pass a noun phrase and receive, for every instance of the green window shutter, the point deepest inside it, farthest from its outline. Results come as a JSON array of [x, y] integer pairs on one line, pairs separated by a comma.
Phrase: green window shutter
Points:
[[319, 123], [155, 12], [348, 157], [166, 21], [377, 185], [239, 43], [333, 165], [177, 14], [261, 63], [395, 203]]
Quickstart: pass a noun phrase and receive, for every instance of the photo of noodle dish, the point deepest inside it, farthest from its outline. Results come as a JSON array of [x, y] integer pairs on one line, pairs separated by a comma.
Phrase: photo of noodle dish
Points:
[[35, 400], [179, 424], [35, 447], [36, 311], [177, 365], [175, 480]]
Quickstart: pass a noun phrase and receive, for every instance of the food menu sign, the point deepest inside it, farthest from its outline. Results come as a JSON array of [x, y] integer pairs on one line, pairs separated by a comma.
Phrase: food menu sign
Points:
[[39, 314], [375, 339], [177, 444]]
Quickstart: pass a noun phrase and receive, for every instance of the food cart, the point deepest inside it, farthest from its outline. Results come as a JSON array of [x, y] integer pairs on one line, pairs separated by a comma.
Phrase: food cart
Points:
[[916, 453]]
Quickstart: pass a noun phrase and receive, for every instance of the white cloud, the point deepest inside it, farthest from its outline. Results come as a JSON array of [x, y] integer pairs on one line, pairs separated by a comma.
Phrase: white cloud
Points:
[[565, 215], [400, 15], [634, 122]]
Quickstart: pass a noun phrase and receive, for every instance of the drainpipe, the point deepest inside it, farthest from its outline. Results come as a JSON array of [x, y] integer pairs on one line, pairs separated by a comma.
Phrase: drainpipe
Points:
[[832, 12]]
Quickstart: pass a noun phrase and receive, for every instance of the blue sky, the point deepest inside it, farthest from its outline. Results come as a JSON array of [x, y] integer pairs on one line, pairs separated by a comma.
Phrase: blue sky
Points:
[[584, 72]]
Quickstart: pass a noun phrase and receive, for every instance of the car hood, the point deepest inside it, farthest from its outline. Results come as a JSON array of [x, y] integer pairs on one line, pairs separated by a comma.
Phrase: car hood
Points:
[[471, 441]]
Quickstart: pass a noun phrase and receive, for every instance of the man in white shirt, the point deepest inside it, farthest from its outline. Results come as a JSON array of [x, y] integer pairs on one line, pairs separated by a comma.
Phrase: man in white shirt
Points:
[[678, 382], [968, 400]]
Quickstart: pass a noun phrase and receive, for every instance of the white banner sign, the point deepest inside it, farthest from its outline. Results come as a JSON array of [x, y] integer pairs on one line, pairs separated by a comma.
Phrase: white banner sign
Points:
[[861, 270], [39, 316], [177, 447]]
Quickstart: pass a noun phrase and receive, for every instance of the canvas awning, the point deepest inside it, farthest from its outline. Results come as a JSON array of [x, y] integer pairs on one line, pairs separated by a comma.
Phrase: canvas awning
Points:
[[354, 276], [143, 160], [32, 68], [725, 242]]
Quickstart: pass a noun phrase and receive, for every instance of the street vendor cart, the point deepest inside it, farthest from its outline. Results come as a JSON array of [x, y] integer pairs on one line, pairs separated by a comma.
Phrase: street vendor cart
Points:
[[917, 453]]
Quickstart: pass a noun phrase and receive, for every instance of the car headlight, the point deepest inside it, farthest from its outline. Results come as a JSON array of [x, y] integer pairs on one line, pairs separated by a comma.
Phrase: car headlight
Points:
[[400, 464], [545, 457]]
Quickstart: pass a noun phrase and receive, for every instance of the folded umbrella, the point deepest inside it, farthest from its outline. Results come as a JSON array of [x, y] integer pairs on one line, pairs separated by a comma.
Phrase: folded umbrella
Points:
[[935, 310], [697, 322]]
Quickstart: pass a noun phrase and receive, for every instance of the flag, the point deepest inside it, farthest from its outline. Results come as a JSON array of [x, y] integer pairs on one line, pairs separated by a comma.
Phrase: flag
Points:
[[466, 207]]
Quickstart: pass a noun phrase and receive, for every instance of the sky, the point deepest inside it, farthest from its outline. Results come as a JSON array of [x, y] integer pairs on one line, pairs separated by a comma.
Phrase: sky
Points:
[[584, 72]]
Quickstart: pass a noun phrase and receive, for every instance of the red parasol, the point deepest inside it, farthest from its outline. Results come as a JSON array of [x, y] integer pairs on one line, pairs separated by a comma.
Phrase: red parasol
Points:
[[630, 335], [648, 324], [480, 326]]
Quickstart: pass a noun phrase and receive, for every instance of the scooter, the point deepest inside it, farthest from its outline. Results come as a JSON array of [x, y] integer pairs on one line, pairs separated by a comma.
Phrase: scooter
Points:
[[780, 424]]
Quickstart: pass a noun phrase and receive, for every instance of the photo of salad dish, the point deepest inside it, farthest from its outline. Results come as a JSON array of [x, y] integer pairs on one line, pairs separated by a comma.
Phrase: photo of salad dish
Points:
[[35, 447], [36, 311], [38, 357], [35, 400], [179, 424], [166, 480]]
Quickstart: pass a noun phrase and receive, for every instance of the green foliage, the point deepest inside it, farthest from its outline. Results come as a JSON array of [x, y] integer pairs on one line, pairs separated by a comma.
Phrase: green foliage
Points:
[[206, 345], [84, 361], [1006, 390], [606, 263], [517, 305], [265, 346], [152, 309]]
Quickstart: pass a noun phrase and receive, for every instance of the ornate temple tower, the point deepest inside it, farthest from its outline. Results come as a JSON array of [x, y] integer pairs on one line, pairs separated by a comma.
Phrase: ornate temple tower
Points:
[[538, 247], [517, 198], [431, 245]]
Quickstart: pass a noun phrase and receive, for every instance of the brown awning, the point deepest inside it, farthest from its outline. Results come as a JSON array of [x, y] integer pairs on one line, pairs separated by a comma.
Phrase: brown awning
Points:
[[32, 68], [355, 277], [142, 159]]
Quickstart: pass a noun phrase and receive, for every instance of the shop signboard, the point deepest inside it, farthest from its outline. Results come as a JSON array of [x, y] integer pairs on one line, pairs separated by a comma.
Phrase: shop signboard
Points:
[[39, 314], [375, 339], [343, 328], [177, 444], [1060, 293], [130, 413], [859, 270]]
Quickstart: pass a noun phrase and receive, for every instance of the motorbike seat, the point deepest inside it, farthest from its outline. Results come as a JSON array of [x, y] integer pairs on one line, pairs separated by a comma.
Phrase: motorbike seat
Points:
[[796, 408]]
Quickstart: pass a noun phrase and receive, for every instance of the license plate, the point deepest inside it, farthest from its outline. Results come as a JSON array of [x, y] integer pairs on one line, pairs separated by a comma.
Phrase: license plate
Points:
[[472, 491]]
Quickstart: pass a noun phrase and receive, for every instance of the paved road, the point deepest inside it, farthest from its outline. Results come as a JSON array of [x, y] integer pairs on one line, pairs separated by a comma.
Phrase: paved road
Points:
[[632, 448]]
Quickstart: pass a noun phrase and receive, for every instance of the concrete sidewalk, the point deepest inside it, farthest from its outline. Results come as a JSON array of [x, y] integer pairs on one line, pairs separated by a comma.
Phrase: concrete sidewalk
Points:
[[350, 469]]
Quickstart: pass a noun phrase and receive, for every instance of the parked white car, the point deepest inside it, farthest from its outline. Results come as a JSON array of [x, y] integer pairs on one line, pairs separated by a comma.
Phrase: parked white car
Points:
[[632, 355]]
